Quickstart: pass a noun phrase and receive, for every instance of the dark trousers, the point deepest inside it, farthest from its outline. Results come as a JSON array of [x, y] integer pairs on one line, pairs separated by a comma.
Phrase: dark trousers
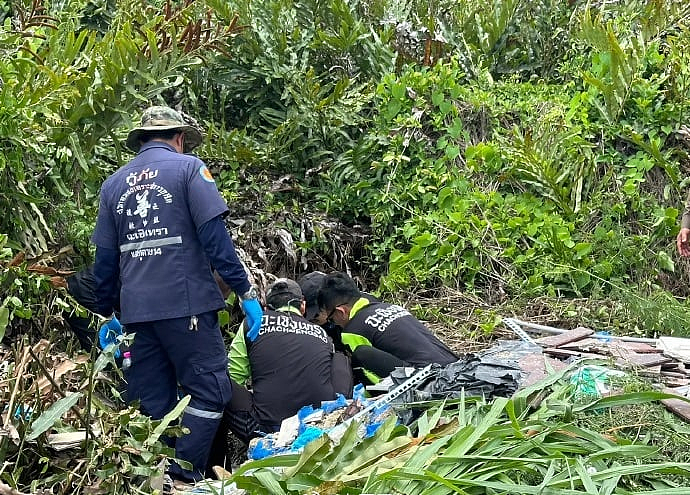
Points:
[[167, 353], [238, 418], [81, 287], [239, 415]]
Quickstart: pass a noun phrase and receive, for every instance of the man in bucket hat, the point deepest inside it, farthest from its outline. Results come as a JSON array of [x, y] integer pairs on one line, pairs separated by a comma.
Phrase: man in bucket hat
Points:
[[160, 231]]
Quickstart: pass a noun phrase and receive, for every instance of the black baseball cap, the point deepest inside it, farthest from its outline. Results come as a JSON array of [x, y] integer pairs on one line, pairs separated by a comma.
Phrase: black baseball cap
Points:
[[310, 284]]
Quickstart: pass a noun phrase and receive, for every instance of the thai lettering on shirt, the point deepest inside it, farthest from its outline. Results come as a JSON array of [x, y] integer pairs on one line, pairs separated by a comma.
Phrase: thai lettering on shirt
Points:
[[142, 203], [286, 324], [381, 318]]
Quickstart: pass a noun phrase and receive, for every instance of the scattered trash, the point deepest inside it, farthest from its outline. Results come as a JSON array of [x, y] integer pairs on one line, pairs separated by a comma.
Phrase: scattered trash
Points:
[[591, 382], [333, 418], [517, 329], [675, 347], [473, 375], [603, 336], [21, 412]]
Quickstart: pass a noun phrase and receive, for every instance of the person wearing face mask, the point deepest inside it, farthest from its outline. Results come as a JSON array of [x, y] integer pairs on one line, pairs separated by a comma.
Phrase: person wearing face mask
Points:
[[387, 327], [369, 364], [291, 364]]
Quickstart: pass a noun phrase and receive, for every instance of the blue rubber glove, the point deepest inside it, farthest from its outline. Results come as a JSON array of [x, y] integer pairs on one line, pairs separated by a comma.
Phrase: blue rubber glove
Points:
[[109, 333], [253, 313]]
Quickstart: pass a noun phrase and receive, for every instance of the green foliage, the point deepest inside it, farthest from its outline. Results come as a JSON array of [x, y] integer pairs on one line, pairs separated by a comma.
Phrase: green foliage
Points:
[[498, 185], [66, 87], [121, 448], [526, 150], [299, 79], [470, 446], [555, 160], [24, 307], [525, 38]]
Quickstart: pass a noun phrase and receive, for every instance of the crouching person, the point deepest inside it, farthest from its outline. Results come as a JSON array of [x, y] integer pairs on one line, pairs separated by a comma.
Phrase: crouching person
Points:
[[291, 364], [369, 327]]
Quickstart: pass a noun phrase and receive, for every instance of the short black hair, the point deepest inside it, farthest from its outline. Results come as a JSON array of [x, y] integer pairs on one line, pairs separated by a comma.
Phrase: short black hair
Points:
[[165, 134], [310, 285], [338, 288]]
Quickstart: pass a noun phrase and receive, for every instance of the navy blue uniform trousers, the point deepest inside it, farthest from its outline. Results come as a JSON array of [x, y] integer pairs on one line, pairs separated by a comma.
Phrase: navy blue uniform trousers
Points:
[[168, 353]]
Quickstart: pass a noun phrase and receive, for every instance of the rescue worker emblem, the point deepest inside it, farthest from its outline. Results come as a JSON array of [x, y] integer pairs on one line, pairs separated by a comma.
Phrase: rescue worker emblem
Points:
[[143, 205], [205, 174]]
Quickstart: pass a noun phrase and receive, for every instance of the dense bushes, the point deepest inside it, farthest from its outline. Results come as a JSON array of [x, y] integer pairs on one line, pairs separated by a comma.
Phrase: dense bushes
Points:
[[519, 150], [530, 148]]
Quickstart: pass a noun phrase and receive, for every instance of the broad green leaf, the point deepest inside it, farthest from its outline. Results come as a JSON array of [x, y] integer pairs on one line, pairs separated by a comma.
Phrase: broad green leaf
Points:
[[169, 418], [463, 444], [269, 479], [53, 414], [4, 320], [587, 482], [627, 399], [312, 453], [665, 261]]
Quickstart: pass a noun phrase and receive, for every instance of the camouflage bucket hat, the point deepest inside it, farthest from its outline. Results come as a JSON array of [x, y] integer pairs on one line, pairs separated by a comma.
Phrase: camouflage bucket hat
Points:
[[161, 118]]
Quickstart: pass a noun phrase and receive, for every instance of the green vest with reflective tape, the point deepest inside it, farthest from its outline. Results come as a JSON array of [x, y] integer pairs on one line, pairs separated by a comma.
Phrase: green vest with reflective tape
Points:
[[353, 340]]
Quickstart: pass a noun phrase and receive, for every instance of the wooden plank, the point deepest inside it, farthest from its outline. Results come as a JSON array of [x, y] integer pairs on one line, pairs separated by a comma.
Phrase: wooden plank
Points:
[[653, 371], [621, 352], [537, 367], [566, 353], [674, 382], [643, 360], [678, 407], [638, 347], [673, 375], [566, 337], [615, 347], [676, 347], [583, 344]]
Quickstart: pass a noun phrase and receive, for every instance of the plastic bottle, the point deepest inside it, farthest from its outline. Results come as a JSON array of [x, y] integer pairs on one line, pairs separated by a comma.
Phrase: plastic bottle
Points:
[[126, 360]]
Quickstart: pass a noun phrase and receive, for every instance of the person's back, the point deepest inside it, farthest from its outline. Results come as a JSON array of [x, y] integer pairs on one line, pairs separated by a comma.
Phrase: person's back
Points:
[[388, 327], [394, 329], [159, 249], [290, 364], [159, 231]]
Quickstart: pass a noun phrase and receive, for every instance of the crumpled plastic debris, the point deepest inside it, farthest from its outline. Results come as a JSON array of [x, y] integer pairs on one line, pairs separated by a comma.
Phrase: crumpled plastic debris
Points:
[[477, 376], [310, 423], [592, 382]]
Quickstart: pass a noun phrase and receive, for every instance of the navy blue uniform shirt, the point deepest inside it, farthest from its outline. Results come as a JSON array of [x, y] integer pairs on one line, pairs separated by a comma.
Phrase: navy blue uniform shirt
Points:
[[149, 213]]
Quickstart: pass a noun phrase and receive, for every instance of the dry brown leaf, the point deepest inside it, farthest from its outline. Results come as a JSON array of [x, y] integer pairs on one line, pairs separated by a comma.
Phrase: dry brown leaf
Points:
[[58, 282], [45, 386], [17, 260], [42, 269]]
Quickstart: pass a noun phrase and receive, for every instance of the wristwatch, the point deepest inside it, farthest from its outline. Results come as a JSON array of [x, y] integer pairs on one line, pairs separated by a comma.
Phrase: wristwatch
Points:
[[252, 293]]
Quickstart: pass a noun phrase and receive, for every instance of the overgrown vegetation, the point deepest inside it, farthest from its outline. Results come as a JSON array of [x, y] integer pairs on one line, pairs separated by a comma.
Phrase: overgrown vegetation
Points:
[[521, 445], [531, 155]]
